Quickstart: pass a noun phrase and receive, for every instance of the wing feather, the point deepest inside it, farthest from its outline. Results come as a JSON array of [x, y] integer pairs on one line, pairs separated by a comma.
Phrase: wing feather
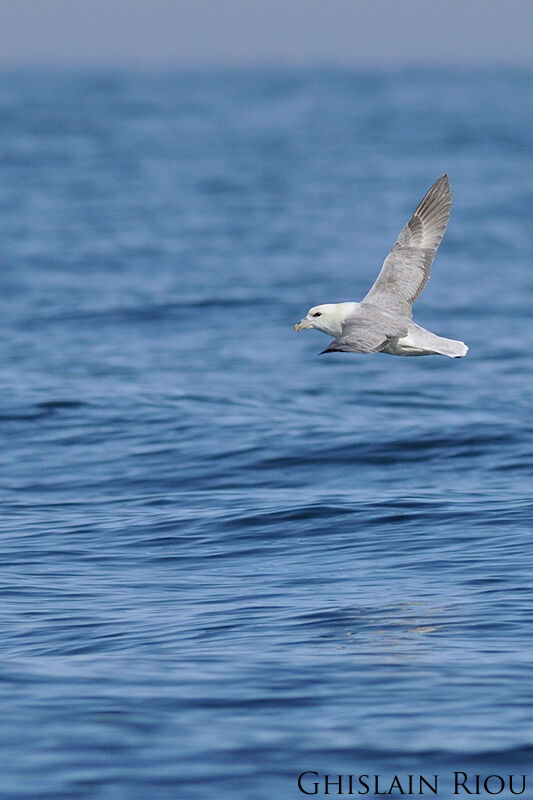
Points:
[[406, 269]]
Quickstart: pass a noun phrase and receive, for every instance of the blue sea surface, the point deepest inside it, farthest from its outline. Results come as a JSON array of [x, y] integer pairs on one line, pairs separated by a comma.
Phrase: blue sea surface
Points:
[[225, 560]]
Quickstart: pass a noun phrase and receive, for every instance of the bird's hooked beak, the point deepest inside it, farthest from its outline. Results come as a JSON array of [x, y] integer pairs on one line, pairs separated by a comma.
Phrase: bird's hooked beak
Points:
[[302, 325]]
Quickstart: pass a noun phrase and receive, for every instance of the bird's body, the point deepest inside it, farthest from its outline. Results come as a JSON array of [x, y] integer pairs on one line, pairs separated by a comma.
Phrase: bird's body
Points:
[[383, 320]]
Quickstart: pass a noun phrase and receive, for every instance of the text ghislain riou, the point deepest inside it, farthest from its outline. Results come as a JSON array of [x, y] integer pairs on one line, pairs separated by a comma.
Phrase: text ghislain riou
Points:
[[314, 783]]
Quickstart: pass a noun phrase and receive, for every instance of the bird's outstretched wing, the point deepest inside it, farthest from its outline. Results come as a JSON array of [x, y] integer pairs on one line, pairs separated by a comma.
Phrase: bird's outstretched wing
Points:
[[368, 330], [406, 269]]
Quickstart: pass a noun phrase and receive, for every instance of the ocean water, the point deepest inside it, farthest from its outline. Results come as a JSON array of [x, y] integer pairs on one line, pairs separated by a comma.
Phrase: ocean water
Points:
[[226, 560]]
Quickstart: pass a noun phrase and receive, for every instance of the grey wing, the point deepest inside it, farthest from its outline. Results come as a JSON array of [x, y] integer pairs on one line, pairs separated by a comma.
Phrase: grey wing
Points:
[[406, 269], [368, 330]]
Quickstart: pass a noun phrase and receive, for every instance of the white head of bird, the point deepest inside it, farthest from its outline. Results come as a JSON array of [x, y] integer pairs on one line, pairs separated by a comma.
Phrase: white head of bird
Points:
[[328, 318]]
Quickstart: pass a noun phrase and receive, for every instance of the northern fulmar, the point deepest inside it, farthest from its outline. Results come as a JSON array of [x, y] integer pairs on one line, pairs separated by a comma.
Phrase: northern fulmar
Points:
[[383, 320]]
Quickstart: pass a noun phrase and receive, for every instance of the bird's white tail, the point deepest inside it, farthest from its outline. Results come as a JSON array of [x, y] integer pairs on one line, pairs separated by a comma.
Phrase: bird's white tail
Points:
[[448, 347], [421, 342]]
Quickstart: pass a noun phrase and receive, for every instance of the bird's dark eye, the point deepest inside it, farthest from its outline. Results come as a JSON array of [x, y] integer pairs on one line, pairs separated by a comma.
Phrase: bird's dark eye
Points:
[[317, 314]]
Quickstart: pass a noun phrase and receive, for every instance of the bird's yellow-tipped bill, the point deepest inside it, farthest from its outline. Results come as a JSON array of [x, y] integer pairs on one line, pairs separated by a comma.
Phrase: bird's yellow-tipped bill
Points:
[[302, 325]]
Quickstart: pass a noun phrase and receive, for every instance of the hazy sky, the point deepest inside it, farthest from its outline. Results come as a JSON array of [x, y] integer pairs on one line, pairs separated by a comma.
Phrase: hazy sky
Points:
[[198, 32]]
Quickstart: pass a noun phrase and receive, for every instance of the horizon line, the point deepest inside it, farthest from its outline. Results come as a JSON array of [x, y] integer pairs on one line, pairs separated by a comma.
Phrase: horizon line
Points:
[[266, 64]]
